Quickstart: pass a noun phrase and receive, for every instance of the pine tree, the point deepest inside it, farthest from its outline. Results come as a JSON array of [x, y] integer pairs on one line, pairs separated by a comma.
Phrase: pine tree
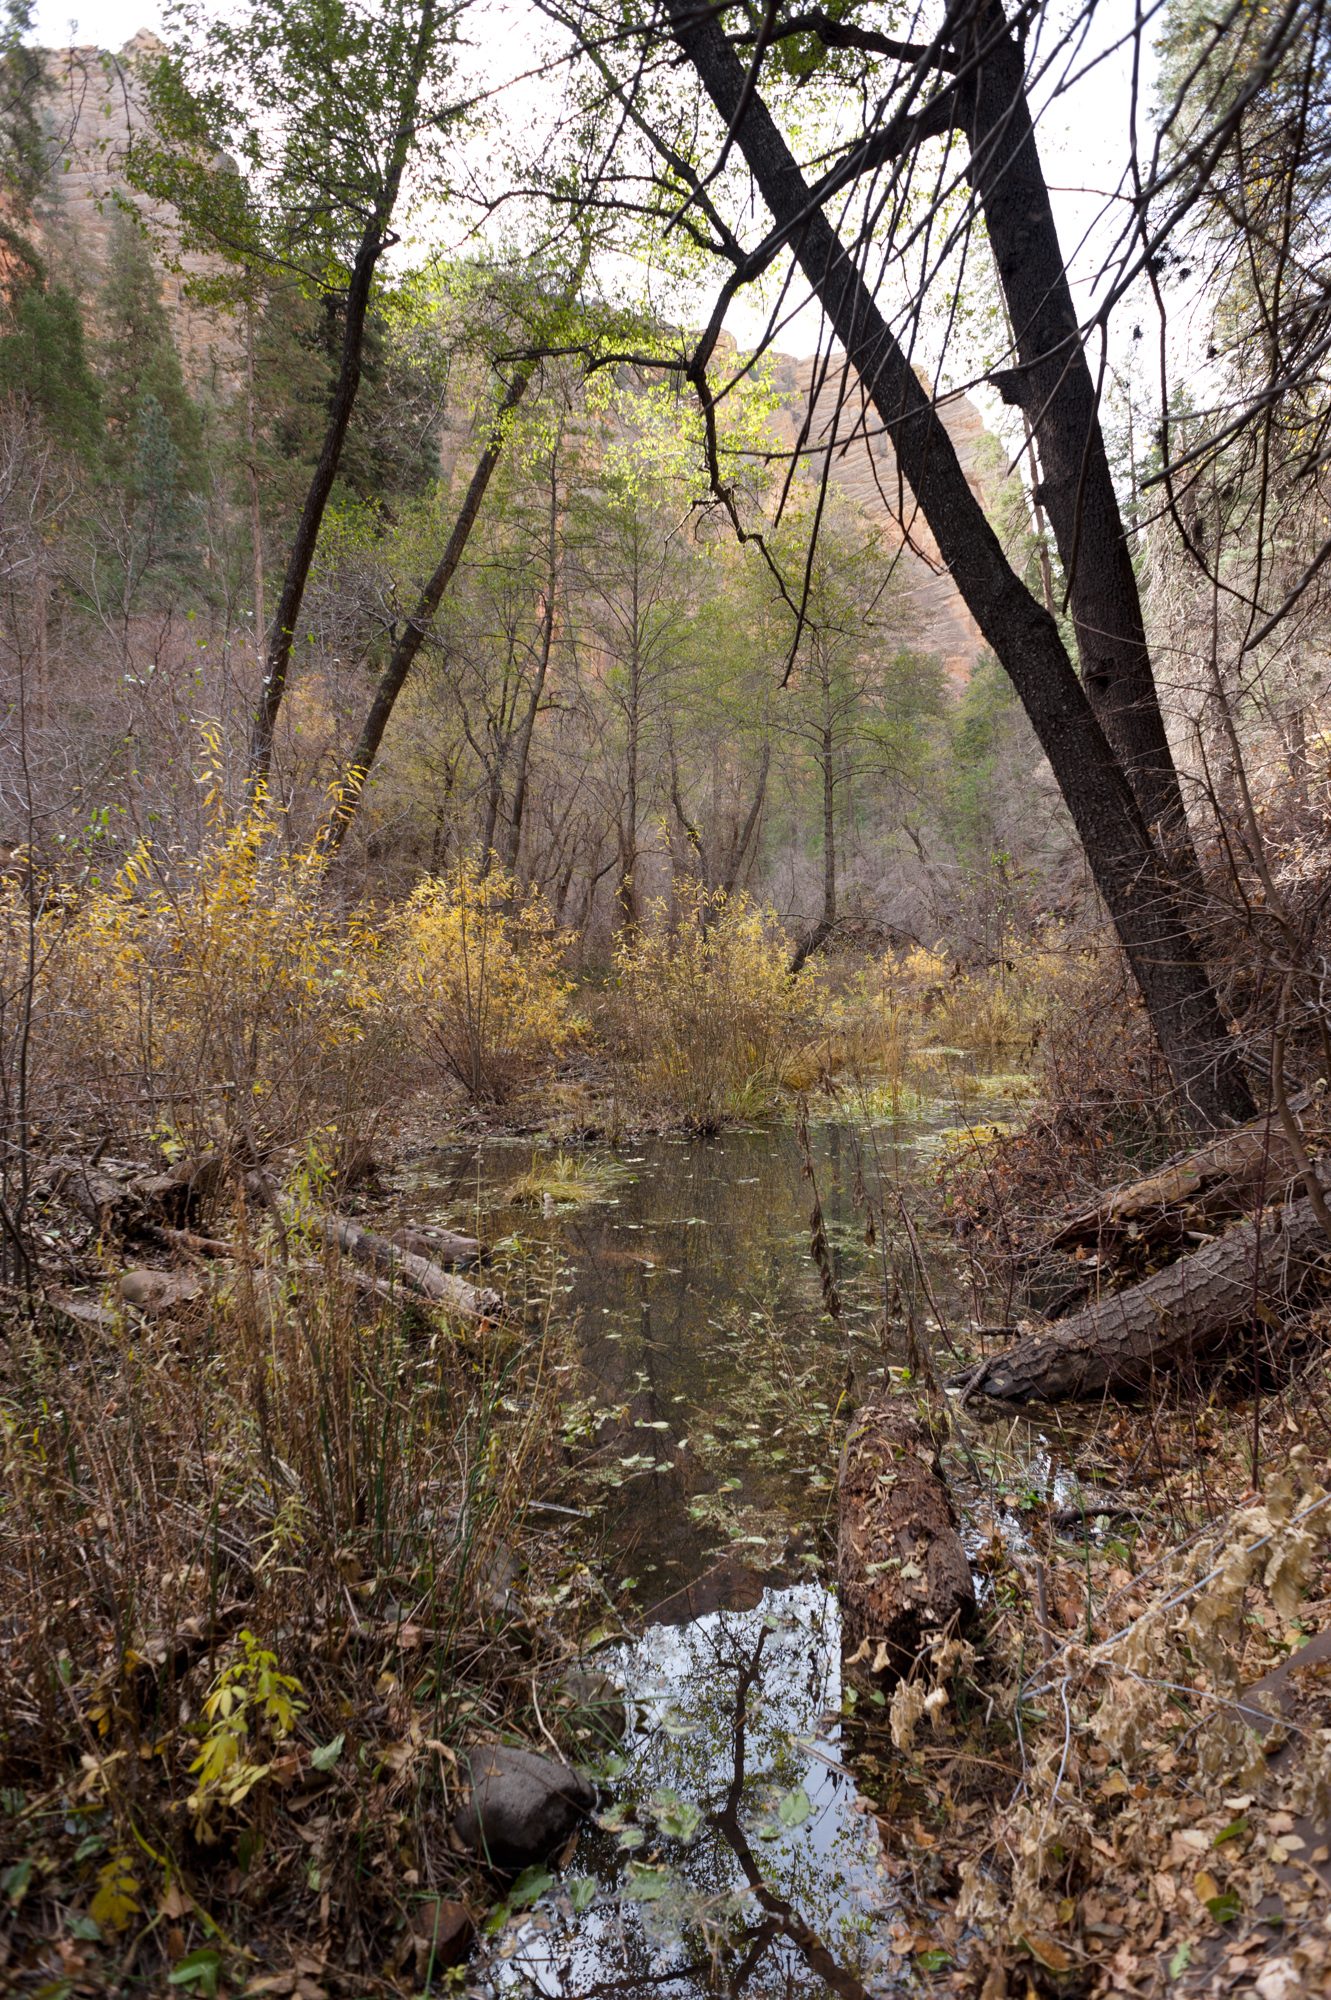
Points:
[[140, 369]]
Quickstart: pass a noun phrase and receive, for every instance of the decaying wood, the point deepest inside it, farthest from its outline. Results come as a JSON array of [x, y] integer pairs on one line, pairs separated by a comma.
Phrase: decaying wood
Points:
[[439, 1246], [902, 1573], [1190, 1306], [417, 1274], [128, 1204], [1254, 1162]]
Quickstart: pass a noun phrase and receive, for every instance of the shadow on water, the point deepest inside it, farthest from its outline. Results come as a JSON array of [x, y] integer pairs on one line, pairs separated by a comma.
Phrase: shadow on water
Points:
[[737, 1856]]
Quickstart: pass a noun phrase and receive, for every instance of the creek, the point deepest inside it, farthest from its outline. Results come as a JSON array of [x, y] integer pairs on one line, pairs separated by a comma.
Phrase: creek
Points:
[[740, 1853]]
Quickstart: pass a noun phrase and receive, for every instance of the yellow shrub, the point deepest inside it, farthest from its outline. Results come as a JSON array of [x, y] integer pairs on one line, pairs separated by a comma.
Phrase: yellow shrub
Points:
[[708, 1008], [201, 996], [482, 974]]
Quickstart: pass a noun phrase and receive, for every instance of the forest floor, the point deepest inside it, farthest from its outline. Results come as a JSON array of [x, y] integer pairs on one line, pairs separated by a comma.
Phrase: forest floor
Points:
[[276, 1568]]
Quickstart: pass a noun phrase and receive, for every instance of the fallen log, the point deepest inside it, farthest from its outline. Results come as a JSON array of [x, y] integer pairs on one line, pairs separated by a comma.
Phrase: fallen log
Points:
[[417, 1274], [1126, 1338], [1229, 1172], [438, 1246], [902, 1574]]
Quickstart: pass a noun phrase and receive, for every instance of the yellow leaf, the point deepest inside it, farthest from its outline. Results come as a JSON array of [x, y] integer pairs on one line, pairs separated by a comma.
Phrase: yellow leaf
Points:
[[116, 1900]]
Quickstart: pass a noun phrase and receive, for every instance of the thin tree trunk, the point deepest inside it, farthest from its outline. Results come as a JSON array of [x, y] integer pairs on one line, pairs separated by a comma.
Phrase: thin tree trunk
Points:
[[1129, 871], [374, 239], [741, 847], [252, 473], [513, 840], [411, 639]]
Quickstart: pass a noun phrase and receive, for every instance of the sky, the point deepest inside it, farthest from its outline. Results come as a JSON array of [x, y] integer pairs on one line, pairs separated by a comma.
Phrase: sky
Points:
[[1083, 139]]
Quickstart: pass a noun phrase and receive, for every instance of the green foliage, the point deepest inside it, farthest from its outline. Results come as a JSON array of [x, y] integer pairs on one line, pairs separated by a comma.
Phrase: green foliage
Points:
[[154, 428], [44, 365]]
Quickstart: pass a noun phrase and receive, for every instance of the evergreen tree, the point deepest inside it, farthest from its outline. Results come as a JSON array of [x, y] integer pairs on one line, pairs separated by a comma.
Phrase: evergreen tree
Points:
[[143, 385]]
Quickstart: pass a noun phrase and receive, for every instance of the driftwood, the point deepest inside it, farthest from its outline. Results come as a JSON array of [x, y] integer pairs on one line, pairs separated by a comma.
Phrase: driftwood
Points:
[[439, 1246], [417, 1274], [902, 1573], [1190, 1306]]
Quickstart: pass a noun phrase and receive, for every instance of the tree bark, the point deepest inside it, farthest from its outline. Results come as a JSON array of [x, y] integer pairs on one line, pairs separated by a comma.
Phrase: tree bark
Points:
[[1124, 1341], [902, 1573], [1129, 870]]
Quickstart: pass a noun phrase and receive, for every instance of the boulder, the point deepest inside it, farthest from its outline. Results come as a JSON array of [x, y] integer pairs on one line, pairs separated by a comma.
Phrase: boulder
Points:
[[522, 1805]]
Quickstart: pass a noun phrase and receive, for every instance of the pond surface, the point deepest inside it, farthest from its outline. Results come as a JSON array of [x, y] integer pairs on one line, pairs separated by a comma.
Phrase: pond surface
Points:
[[735, 1854]]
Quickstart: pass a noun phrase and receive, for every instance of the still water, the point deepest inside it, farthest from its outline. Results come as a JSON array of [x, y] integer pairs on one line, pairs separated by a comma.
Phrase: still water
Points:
[[735, 1853]]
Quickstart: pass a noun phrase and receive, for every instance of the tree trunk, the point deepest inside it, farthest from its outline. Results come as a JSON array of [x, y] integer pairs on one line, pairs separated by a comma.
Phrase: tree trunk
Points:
[[374, 239], [513, 839], [1126, 1340], [1054, 389], [734, 870], [1129, 871], [410, 641]]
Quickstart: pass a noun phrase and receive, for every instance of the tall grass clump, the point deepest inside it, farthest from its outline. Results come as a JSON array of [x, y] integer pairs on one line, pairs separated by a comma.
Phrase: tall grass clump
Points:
[[480, 974], [253, 1565], [708, 1012]]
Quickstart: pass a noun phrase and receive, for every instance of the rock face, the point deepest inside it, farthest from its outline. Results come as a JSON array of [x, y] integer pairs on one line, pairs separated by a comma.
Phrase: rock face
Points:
[[522, 1805], [92, 109], [862, 464], [902, 1573]]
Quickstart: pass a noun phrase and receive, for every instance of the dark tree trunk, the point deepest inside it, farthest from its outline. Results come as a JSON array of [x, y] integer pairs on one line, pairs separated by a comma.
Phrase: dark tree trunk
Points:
[[1053, 387], [374, 240], [513, 840], [1132, 1337], [1129, 871]]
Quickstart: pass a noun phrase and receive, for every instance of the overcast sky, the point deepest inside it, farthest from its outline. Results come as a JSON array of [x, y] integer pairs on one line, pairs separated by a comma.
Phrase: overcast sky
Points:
[[1083, 137]]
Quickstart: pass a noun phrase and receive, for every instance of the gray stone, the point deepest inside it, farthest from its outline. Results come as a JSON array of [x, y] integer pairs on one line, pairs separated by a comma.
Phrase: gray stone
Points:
[[522, 1805]]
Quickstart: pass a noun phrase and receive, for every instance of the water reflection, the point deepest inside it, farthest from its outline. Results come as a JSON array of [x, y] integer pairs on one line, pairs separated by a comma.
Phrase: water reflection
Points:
[[782, 1888]]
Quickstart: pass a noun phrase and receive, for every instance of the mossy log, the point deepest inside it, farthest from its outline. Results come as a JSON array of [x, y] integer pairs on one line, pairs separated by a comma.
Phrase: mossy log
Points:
[[902, 1573], [1192, 1306]]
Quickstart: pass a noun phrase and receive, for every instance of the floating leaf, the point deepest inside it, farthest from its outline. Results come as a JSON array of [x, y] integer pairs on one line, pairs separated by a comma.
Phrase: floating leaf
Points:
[[678, 1819], [324, 1758], [645, 1884], [631, 1837], [795, 1807], [582, 1893], [530, 1886]]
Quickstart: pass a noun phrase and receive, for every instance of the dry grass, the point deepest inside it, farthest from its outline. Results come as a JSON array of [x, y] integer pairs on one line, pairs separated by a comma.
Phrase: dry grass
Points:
[[255, 1566]]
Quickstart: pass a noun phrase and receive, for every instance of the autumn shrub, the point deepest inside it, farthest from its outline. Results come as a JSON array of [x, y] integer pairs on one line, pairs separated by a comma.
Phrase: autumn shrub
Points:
[[708, 1011], [195, 997], [989, 1009], [479, 970]]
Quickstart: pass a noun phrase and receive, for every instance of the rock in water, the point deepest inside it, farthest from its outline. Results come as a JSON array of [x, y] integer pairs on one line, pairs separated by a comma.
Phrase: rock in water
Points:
[[901, 1570], [522, 1805]]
